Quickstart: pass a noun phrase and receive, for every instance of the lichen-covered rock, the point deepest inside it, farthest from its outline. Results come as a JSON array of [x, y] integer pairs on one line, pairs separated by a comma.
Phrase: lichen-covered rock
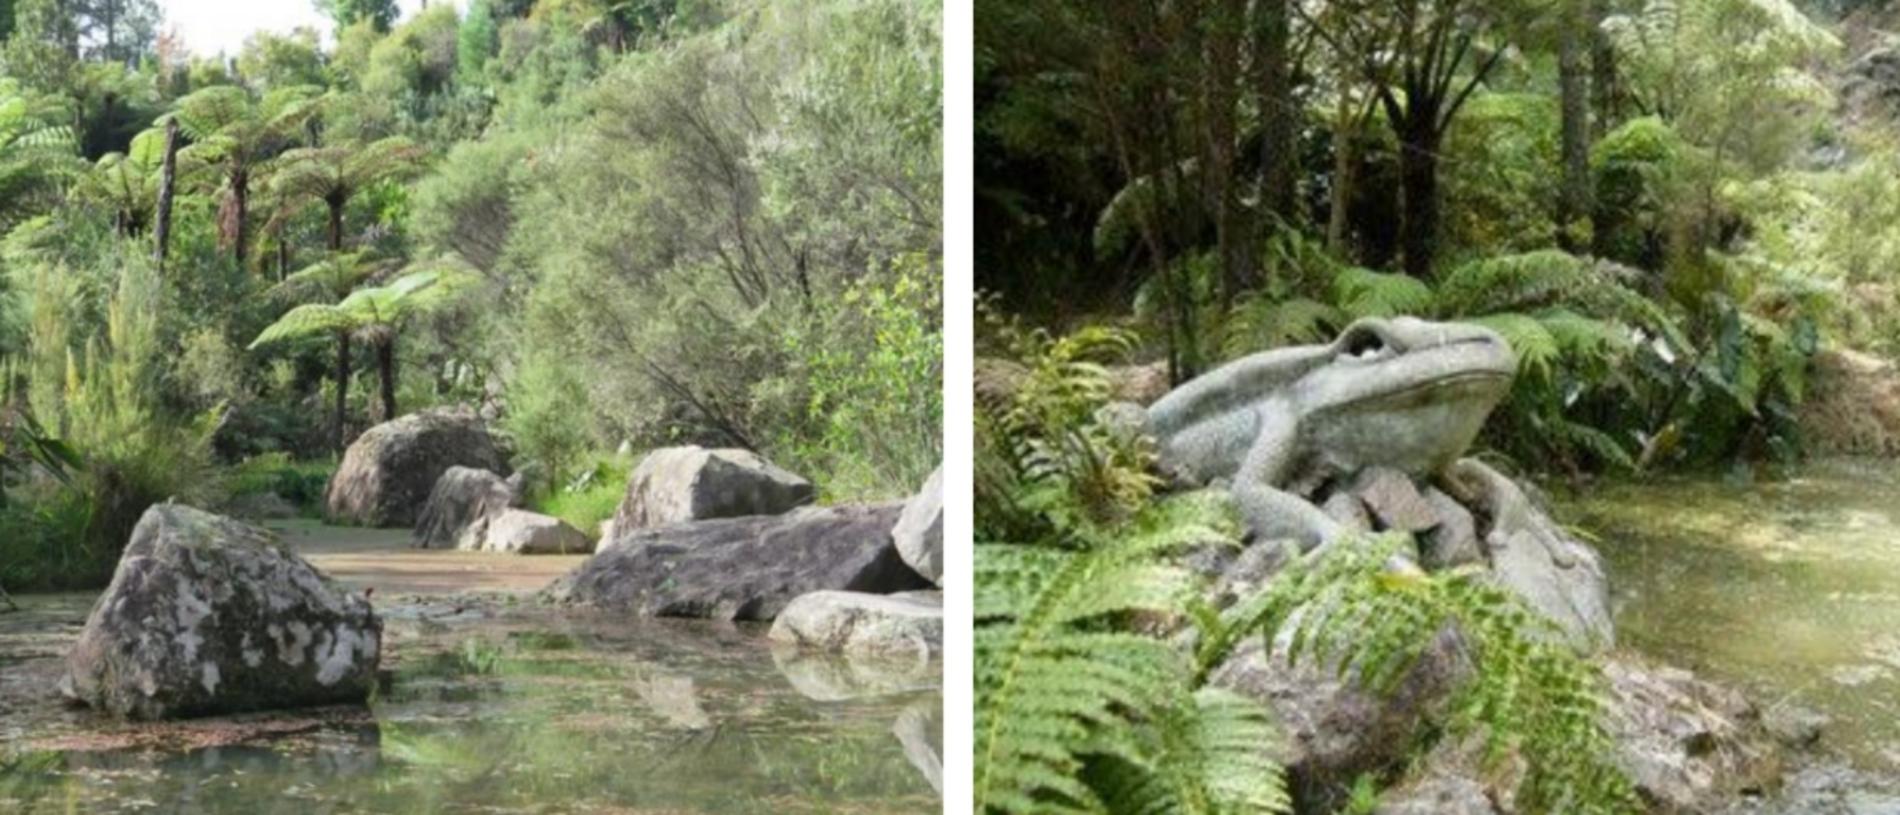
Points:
[[207, 615], [520, 532], [1530, 555], [1333, 730], [855, 621], [919, 531], [387, 474], [742, 568], [460, 507], [676, 484], [1436, 795], [1689, 745]]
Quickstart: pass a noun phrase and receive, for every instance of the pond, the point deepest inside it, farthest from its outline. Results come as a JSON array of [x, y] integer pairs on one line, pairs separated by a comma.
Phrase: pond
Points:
[[492, 704], [1788, 589]]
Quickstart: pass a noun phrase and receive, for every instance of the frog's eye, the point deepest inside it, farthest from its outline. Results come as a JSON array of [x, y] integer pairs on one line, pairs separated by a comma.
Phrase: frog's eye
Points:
[[1365, 345]]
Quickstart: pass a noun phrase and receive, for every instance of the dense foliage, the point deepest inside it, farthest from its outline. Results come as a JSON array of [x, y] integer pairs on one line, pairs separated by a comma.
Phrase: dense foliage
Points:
[[610, 227], [1668, 205]]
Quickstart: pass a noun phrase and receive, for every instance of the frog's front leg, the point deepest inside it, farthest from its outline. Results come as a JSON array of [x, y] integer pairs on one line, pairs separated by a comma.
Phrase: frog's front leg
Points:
[[1273, 513]]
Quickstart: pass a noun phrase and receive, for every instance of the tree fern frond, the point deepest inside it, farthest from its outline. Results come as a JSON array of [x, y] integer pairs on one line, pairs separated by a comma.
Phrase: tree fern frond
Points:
[[1366, 293]]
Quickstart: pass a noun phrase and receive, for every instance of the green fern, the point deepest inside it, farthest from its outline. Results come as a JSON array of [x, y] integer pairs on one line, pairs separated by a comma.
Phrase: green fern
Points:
[[1528, 695]]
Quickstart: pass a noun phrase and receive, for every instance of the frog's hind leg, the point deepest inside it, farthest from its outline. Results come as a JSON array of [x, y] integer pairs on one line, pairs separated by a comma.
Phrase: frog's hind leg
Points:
[[1270, 512]]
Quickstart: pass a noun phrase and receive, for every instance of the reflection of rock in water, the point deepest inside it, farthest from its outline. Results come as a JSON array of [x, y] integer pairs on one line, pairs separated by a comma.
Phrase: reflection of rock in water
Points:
[[920, 729], [675, 699], [836, 678]]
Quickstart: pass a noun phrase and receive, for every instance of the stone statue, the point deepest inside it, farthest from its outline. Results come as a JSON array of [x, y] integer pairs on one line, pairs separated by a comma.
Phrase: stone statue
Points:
[[1405, 394], [1399, 396]]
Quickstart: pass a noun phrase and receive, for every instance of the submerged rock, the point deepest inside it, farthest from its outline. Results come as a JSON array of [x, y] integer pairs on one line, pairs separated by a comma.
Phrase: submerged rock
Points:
[[676, 484], [742, 568], [520, 532], [388, 473], [919, 531], [206, 615], [460, 507], [854, 621]]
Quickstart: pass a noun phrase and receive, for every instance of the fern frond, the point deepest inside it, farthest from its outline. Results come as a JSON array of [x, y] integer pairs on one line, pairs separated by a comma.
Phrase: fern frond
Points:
[[1366, 293]]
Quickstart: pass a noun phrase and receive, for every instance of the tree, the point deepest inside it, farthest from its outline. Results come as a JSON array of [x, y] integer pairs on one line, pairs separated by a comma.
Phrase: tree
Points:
[[232, 129], [330, 280], [1424, 59], [1574, 105], [380, 13], [333, 175], [37, 150], [376, 314]]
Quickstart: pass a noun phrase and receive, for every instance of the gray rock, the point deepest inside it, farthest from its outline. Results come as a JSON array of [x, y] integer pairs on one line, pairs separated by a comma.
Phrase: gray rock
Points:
[[1249, 572], [1688, 745], [387, 474], [1348, 510], [520, 532], [676, 484], [206, 615], [1795, 726], [743, 568], [261, 506], [919, 531], [1453, 540], [1534, 558], [1394, 500], [1437, 795], [854, 621], [460, 507], [1333, 730]]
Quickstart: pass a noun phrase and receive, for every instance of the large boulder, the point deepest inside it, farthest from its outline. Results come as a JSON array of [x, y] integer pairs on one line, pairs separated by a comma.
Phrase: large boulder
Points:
[[207, 615], [388, 473], [675, 484], [855, 621], [460, 507], [919, 531], [742, 568], [520, 532]]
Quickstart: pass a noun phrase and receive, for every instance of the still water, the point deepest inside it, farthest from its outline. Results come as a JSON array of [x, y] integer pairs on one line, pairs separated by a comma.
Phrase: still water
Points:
[[1788, 589], [498, 707]]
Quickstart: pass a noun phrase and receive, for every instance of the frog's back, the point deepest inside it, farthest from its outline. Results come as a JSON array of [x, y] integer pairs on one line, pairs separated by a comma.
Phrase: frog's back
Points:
[[1207, 425]]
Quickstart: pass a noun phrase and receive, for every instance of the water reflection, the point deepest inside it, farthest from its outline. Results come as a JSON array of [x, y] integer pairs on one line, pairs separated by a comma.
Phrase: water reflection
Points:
[[520, 710], [1790, 589]]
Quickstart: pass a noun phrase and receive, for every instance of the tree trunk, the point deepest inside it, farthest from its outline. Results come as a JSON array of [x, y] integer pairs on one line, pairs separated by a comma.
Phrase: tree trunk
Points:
[[1573, 199], [386, 367], [1602, 68], [342, 386], [283, 260], [1279, 165], [336, 224], [241, 201], [167, 185], [1418, 196], [1347, 121]]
